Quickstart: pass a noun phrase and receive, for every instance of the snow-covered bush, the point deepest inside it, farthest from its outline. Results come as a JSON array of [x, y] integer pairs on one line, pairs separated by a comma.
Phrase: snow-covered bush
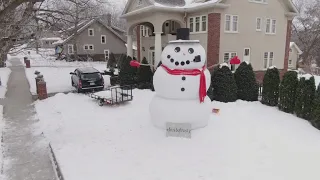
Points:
[[305, 98], [144, 76], [287, 92], [316, 111], [247, 87], [224, 87], [270, 89]]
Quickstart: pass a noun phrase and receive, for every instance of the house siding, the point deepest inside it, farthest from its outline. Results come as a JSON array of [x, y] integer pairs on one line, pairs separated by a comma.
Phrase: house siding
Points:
[[113, 43], [247, 36], [294, 57]]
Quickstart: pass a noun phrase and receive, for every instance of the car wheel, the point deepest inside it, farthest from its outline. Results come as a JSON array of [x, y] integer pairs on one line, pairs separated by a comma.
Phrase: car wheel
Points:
[[101, 102]]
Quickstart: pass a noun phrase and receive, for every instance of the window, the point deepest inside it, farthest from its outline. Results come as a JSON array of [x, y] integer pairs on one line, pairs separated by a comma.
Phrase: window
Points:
[[290, 49], [226, 58], [198, 24], [103, 39], [268, 58], [91, 32], [144, 31], [271, 26], [258, 24], [70, 49], [204, 23], [173, 27], [106, 54], [191, 24], [290, 62], [88, 47], [231, 23]]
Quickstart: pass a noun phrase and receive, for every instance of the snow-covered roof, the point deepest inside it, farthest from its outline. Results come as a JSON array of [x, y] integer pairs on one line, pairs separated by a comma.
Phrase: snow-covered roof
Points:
[[187, 6], [85, 27], [293, 44], [176, 6], [51, 39]]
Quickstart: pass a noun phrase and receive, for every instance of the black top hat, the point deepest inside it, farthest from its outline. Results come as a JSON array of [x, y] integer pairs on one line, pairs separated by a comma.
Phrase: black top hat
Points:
[[183, 34]]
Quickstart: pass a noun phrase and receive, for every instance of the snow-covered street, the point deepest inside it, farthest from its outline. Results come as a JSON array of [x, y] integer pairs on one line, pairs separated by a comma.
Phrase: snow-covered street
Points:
[[244, 141]]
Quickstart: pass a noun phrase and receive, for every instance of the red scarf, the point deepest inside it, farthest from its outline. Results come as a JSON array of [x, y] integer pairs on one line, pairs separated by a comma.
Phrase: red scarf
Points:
[[192, 72]]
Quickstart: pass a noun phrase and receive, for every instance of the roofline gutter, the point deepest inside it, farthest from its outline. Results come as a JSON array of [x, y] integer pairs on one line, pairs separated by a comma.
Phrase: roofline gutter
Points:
[[170, 9], [291, 14]]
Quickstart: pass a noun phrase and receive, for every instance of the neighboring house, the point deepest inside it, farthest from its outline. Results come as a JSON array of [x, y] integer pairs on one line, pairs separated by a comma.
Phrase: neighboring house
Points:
[[257, 31], [294, 54], [95, 40], [48, 42]]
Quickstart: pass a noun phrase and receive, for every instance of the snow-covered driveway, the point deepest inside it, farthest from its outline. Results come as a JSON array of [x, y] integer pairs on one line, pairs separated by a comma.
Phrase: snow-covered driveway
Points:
[[245, 141]]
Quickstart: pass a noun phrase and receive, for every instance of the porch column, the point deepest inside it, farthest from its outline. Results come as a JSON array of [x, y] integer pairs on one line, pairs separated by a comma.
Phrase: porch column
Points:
[[129, 46], [157, 48]]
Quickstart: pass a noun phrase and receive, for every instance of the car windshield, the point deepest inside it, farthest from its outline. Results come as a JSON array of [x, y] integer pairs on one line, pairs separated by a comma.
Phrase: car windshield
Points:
[[91, 76]]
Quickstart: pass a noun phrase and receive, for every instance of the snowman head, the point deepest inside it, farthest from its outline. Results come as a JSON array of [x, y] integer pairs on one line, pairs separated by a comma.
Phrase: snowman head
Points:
[[183, 54]]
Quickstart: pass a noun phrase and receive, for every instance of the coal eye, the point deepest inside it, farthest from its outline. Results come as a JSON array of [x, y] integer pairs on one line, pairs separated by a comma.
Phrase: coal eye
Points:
[[191, 50], [177, 49]]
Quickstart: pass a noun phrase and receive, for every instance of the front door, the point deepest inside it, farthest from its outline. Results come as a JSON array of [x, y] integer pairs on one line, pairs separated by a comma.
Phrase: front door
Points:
[[246, 54]]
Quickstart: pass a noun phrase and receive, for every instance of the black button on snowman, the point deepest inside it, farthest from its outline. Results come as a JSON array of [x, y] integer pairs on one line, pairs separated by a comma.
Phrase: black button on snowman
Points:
[[181, 83]]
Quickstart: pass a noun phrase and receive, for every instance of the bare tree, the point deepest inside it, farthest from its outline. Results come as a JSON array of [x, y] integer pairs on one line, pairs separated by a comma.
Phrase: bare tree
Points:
[[16, 24], [306, 30]]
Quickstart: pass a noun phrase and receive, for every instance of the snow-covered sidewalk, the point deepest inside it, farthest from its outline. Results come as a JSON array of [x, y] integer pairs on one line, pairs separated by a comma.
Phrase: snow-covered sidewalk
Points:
[[4, 75], [245, 141]]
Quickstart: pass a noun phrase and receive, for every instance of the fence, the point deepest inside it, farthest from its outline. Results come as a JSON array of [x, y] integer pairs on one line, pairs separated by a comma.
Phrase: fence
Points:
[[260, 89]]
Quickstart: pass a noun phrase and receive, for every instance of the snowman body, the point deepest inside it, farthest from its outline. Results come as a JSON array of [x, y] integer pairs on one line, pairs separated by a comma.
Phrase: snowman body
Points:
[[177, 95]]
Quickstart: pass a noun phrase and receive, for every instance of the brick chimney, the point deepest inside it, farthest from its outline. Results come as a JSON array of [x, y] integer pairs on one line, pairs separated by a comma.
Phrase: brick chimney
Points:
[[109, 19]]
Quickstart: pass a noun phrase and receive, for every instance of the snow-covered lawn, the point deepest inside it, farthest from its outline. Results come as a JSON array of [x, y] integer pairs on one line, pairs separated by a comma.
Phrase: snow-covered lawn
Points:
[[245, 141], [4, 75], [57, 79]]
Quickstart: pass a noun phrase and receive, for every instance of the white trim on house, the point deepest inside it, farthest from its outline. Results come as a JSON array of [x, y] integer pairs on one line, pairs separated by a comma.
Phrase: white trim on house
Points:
[[268, 59], [259, 24], [105, 39], [202, 19], [90, 29], [231, 28], [293, 44], [70, 51], [259, 1]]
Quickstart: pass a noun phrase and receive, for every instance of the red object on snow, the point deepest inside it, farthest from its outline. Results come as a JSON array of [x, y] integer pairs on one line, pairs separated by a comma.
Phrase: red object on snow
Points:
[[235, 60], [192, 72], [134, 63]]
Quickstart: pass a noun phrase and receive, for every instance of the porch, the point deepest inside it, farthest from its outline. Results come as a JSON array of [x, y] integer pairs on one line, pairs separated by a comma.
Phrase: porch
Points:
[[153, 31]]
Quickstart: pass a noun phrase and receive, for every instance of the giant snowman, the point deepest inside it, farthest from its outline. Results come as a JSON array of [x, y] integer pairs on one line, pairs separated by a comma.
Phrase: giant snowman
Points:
[[181, 83]]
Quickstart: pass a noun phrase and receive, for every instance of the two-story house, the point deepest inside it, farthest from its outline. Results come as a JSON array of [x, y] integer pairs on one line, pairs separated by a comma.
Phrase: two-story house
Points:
[[294, 54], [95, 39], [257, 31]]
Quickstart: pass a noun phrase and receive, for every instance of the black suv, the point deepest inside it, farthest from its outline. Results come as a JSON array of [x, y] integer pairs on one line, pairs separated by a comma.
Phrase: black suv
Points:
[[87, 78]]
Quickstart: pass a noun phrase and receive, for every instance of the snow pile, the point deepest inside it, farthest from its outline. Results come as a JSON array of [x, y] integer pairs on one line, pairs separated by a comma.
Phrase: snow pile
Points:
[[272, 67], [224, 64], [247, 62], [57, 79], [4, 76], [93, 142]]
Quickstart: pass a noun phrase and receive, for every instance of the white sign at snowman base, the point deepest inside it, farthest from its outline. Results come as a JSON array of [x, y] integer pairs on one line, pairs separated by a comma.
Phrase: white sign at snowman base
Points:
[[182, 130]]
